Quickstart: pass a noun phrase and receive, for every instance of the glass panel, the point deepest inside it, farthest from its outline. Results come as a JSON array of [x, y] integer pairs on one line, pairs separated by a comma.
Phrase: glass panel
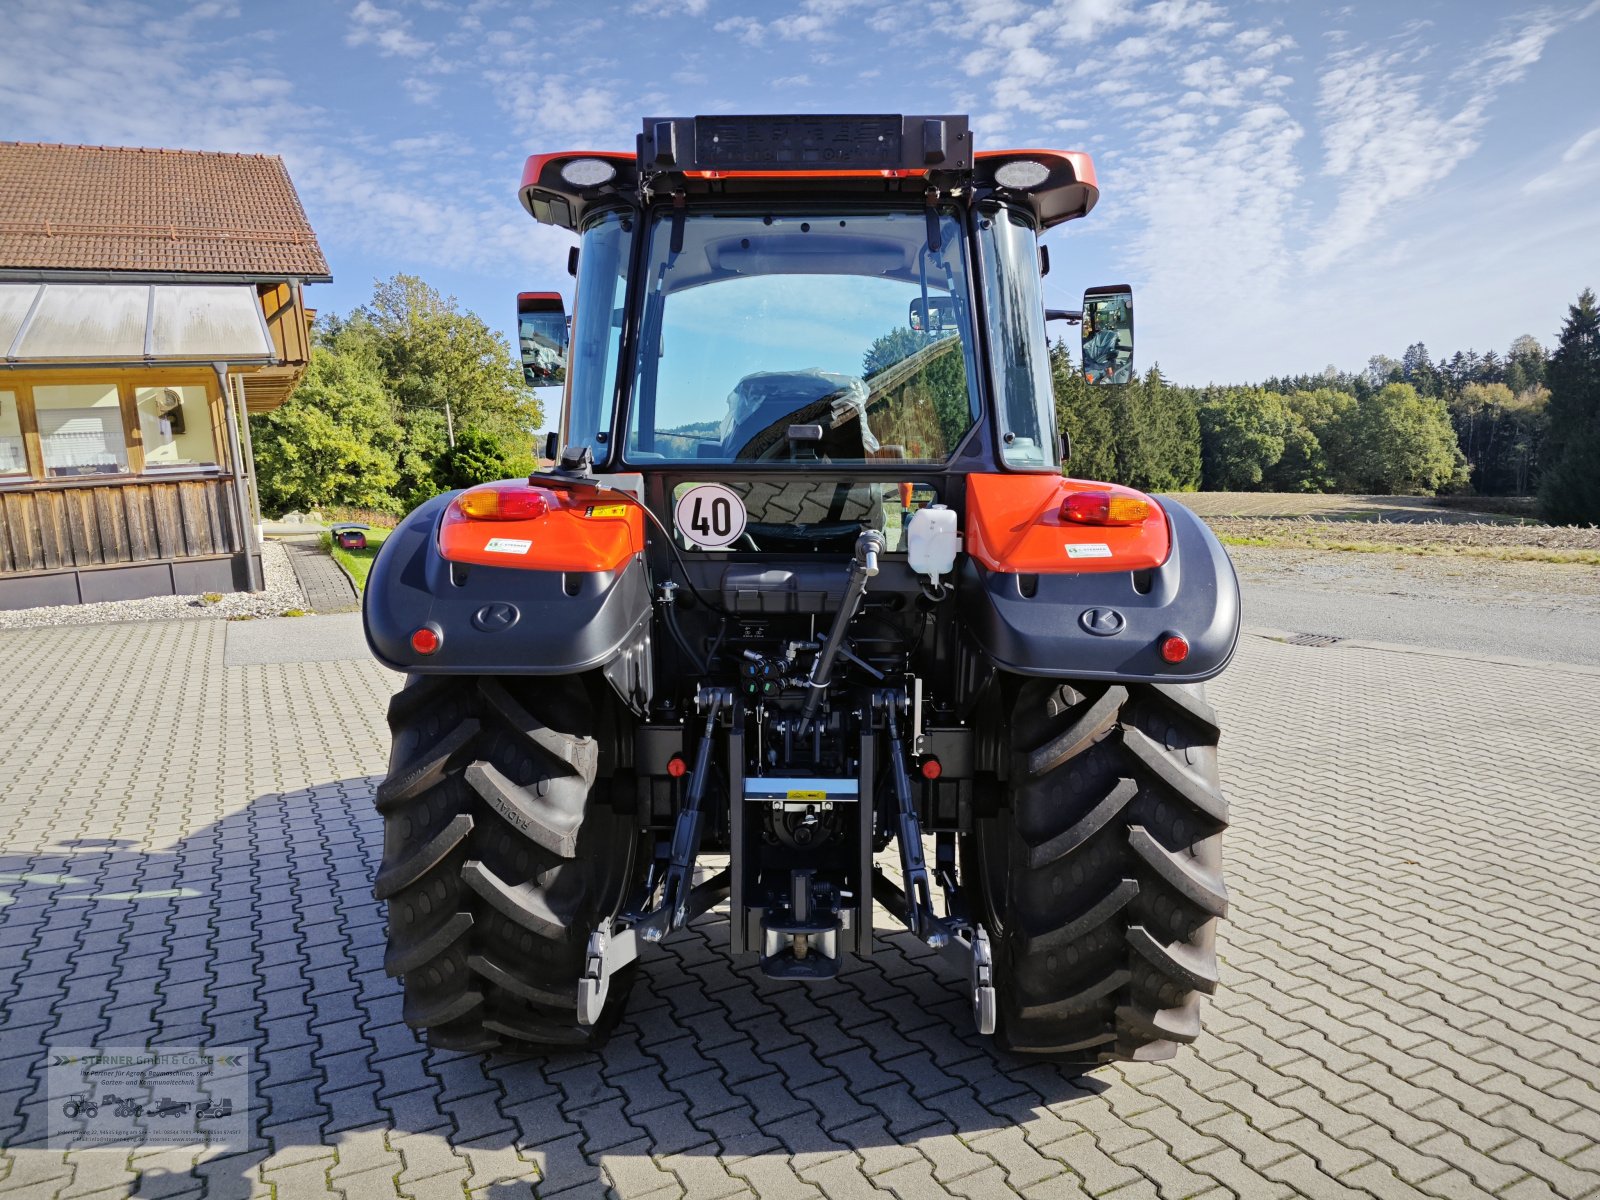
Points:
[[88, 321], [800, 516], [15, 301], [600, 306], [1021, 358], [782, 338], [543, 338], [175, 426], [80, 429], [221, 322], [13, 458]]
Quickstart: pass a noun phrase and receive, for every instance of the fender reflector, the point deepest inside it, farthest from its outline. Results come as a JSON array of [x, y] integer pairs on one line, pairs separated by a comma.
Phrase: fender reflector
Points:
[[931, 768], [1174, 647], [1103, 508], [426, 640]]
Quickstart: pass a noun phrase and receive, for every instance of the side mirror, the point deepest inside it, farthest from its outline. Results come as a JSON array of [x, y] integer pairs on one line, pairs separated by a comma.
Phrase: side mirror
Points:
[[933, 316], [1108, 334], [542, 334]]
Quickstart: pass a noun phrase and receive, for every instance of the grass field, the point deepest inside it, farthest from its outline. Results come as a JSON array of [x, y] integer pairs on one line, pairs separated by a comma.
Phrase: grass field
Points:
[[1487, 510], [357, 562]]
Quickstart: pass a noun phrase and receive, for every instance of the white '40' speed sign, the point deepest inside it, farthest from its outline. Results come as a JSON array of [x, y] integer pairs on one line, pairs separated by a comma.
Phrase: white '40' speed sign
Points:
[[710, 515]]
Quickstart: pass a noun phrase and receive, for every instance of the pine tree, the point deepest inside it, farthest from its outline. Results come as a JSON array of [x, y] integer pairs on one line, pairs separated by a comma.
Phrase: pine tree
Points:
[[1570, 492]]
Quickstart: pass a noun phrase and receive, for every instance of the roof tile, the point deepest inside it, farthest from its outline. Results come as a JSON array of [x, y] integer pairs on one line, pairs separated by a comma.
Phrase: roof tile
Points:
[[119, 208]]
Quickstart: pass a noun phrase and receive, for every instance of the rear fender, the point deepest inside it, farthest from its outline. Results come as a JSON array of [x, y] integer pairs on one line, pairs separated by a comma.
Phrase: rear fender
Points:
[[1109, 624], [505, 620]]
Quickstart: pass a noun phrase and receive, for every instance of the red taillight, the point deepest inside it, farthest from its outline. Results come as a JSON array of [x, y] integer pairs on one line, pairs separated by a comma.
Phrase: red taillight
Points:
[[1104, 508], [508, 502], [1174, 647], [426, 640], [676, 767], [931, 768]]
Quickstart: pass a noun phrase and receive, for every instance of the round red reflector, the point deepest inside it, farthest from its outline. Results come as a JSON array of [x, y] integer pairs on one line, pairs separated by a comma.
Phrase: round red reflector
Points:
[[931, 768], [676, 767], [426, 640], [1174, 648]]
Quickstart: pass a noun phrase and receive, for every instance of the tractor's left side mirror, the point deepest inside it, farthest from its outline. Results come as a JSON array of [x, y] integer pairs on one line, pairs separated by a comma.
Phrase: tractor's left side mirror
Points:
[[934, 316], [1108, 334], [542, 333]]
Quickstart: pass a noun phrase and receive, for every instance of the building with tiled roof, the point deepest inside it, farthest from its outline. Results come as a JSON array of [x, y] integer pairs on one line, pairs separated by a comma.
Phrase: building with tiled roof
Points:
[[119, 208], [149, 299]]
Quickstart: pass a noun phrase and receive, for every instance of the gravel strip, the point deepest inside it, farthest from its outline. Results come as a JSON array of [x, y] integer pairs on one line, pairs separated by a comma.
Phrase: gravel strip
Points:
[[282, 592]]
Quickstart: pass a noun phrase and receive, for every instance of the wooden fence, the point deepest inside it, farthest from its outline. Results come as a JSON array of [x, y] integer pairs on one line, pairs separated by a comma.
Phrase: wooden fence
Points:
[[62, 526]]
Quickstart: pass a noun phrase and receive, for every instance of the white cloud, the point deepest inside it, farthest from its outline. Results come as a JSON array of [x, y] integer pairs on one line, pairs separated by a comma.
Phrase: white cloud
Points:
[[1580, 162], [747, 29], [813, 21], [384, 28], [423, 91], [671, 8], [560, 111], [1387, 140]]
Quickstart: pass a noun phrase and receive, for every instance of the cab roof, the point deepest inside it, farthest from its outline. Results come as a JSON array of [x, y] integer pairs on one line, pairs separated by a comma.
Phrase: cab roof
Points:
[[837, 156]]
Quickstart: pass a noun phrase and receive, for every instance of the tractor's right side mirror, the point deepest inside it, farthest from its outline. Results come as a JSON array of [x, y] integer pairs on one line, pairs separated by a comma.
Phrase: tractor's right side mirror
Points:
[[542, 333], [1108, 334]]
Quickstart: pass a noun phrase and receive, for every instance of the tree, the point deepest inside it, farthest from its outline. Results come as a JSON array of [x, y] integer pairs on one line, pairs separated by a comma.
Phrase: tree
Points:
[[435, 355], [1242, 437], [1525, 363], [1570, 492], [333, 442], [1500, 432], [1084, 414], [478, 458], [1403, 443]]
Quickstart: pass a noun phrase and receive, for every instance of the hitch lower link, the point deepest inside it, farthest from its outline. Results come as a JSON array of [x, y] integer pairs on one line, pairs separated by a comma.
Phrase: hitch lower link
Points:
[[616, 943], [962, 941]]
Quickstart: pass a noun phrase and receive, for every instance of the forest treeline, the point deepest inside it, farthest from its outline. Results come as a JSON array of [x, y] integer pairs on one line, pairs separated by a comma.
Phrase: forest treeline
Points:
[[1517, 423], [371, 424]]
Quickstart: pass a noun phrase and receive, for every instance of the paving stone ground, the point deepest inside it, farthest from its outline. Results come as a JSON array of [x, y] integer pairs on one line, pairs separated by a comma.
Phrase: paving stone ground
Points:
[[328, 589], [1410, 1001]]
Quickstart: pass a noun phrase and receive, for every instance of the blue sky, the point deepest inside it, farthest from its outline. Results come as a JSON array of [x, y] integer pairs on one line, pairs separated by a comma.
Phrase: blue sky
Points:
[[1287, 185]]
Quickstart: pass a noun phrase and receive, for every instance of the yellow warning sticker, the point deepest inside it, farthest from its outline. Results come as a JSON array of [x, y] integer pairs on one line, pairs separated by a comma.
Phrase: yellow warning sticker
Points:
[[807, 794], [606, 510]]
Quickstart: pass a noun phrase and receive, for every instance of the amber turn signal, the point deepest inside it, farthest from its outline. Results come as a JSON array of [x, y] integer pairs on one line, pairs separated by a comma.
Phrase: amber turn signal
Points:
[[1104, 508], [504, 503]]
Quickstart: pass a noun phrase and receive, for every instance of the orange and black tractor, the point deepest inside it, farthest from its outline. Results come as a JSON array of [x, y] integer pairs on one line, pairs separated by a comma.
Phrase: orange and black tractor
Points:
[[805, 616]]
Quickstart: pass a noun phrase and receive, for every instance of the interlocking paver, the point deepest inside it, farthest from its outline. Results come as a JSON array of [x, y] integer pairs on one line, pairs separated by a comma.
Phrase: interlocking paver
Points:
[[1410, 1001]]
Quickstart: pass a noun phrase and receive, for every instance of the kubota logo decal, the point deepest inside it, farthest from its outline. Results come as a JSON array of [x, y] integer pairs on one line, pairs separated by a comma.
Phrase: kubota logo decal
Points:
[[1102, 622], [492, 618]]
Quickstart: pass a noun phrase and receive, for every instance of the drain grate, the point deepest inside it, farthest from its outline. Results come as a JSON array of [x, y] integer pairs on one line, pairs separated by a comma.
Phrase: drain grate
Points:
[[1312, 639]]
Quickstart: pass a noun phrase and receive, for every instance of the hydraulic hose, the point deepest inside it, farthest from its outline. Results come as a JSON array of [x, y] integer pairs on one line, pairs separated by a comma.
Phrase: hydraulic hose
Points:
[[863, 567]]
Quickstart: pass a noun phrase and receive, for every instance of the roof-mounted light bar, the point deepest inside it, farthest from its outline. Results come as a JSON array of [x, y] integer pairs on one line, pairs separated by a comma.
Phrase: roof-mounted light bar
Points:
[[730, 146]]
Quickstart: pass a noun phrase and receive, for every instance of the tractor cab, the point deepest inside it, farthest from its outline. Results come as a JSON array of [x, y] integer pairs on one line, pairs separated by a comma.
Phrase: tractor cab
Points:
[[775, 298]]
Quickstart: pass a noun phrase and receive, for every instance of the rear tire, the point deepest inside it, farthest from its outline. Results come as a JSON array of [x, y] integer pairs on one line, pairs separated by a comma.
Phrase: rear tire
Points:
[[502, 851], [1099, 871]]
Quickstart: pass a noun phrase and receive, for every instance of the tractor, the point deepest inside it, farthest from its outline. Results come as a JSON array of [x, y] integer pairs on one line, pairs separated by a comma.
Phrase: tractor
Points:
[[805, 617]]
